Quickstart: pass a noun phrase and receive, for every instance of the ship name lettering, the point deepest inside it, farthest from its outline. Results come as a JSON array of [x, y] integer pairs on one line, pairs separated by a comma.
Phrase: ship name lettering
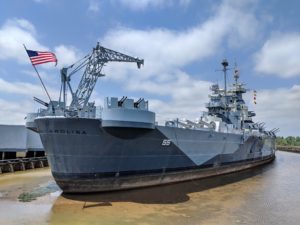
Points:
[[62, 131]]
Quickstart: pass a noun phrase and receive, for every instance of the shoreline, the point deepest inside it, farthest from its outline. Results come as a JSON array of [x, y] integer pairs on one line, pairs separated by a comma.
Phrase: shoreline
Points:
[[295, 149]]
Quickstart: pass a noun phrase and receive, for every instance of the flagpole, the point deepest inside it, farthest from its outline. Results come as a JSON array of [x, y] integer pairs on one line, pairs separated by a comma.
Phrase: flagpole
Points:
[[42, 82]]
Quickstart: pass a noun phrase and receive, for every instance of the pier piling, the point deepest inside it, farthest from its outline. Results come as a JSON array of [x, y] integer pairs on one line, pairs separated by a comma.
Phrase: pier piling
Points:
[[21, 164]]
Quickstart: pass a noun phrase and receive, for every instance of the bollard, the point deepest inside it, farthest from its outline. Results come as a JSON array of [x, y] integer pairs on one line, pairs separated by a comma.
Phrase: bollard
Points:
[[39, 164], [29, 165], [22, 166], [46, 164], [11, 168]]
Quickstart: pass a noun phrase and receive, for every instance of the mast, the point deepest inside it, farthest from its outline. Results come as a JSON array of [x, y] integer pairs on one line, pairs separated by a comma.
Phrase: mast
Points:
[[225, 65]]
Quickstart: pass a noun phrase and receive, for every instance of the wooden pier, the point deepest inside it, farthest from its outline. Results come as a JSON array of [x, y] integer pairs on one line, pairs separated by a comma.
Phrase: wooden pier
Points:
[[21, 164]]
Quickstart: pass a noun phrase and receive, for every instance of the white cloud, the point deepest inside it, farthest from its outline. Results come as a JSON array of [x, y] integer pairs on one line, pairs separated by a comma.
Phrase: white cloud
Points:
[[178, 86], [143, 4], [13, 112], [26, 89], [21, 23], [184, 3], [279, 108], [139, 5], [165, 50], [94, 6], [51, 78], [280, 56], [187, 97], [13, 34], [66, 55], [16, 32]]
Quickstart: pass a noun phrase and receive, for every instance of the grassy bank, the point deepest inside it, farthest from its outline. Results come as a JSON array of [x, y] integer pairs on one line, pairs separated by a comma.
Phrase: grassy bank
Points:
[[288, 144], [289, 148]]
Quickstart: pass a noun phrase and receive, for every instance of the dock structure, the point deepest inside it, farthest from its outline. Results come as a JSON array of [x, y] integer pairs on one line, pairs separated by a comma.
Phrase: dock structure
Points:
[[21, 164], [20, 149]]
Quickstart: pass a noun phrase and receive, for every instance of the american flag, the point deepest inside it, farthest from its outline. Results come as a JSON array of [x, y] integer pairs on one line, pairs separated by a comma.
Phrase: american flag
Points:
[[37, 57]]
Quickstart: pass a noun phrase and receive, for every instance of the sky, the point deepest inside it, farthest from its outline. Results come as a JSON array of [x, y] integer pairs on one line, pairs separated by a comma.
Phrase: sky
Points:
[[182, 42]]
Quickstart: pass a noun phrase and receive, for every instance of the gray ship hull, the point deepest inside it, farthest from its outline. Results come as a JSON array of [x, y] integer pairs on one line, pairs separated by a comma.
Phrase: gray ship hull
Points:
[[86, 157]]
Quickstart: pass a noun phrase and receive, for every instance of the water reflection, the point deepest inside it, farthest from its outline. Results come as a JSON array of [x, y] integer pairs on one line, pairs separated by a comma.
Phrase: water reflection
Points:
[[265, 195], [168, 194]]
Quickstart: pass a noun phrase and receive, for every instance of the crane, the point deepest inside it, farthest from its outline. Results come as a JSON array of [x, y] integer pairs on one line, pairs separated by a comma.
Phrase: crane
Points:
[[93, 64]]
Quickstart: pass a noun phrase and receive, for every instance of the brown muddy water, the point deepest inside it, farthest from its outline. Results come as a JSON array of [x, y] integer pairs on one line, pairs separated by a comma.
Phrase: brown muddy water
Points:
[[266, 195]]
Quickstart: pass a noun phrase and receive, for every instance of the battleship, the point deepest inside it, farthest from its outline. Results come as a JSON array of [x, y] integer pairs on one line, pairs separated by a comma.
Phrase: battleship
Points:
[[123, 147]]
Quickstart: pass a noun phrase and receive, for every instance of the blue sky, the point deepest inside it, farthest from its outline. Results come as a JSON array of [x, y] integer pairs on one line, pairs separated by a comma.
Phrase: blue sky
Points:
[[182, 42]]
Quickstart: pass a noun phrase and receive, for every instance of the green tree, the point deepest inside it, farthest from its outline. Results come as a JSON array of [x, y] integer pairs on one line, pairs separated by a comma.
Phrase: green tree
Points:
[[281, 141], [298, 141], [288, 141]]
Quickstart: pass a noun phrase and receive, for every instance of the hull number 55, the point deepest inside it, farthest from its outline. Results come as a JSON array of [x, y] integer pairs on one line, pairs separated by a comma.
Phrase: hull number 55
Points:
[[166, 142]]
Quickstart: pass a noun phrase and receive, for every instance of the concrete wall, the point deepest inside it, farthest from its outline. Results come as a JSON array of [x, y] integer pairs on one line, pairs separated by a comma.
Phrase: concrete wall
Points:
[[16, 138]]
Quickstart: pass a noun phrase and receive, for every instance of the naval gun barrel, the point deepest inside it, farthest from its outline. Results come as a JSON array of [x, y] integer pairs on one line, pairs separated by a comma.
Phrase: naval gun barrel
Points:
[[122, 100], [40, 101], [275, 130], [136, 104]]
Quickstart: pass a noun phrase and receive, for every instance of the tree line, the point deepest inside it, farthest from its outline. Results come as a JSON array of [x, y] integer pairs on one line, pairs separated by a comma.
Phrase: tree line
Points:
[[288, 141]]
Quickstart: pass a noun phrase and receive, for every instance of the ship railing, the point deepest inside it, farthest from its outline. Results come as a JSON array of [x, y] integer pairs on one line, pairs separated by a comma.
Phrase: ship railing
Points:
[[214, 104], [252, 132], [234, 131], [99, 110], [187, 124]]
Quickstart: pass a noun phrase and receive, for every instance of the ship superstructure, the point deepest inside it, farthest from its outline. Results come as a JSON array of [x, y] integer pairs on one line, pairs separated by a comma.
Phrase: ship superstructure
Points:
[[125, 148], [227, 111]]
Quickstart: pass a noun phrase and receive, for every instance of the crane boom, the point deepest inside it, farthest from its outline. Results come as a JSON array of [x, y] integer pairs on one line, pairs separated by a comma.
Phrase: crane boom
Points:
[[99, 57]]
